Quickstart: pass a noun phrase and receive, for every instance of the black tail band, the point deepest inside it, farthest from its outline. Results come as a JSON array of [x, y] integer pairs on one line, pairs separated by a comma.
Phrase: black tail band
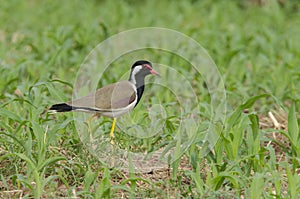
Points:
[[61, 107]]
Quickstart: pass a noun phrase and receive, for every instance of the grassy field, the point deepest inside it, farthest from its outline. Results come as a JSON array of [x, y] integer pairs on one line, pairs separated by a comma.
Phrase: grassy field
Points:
[[257, 52]]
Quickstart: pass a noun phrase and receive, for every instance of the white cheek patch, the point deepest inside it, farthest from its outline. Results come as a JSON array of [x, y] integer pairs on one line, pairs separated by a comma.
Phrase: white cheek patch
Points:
[[134, 72]]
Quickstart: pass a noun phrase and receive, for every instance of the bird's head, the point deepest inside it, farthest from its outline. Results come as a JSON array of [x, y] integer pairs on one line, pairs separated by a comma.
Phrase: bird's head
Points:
[[142, 68]]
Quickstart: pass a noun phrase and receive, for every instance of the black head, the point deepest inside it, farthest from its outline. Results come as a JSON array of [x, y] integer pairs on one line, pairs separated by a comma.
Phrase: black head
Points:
[[142, 68], [141, 62], [139, 70]]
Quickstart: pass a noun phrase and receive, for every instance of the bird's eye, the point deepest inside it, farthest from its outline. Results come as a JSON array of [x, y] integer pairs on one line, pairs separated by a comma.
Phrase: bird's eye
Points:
[[145, 66]]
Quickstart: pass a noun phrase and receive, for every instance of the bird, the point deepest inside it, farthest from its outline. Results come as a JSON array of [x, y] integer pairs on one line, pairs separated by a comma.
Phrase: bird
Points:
[[113, 100]]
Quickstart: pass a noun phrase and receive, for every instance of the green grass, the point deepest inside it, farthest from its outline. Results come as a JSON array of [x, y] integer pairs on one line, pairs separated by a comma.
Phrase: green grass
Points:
[[256, 49]]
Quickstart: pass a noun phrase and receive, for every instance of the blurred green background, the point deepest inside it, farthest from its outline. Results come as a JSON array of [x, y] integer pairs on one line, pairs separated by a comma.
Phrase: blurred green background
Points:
[[255, 45]]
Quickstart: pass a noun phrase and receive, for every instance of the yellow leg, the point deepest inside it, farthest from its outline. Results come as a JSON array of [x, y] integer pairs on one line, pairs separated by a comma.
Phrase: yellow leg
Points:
[[111, 135], [88, 122]]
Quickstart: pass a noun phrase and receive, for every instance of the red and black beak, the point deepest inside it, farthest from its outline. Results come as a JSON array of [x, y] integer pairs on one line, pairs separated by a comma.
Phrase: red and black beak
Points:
[[152, 71]]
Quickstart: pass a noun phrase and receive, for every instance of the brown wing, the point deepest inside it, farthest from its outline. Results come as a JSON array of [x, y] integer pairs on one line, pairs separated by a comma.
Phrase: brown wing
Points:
[[113, 96]]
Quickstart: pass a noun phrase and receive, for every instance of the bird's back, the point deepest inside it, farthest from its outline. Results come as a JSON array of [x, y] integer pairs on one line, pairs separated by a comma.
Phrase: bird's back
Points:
[[111, 97]]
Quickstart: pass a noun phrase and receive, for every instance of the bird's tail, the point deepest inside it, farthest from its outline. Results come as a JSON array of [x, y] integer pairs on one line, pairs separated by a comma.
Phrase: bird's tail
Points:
[[61, 108]]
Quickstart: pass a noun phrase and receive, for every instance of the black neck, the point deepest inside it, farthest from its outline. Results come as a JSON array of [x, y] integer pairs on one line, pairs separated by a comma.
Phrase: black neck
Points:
[[140, 91], [140, 86]]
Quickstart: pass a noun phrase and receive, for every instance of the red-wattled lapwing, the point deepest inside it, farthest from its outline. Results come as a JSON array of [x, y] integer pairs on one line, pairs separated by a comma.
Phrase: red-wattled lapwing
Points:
[[115, 99]]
